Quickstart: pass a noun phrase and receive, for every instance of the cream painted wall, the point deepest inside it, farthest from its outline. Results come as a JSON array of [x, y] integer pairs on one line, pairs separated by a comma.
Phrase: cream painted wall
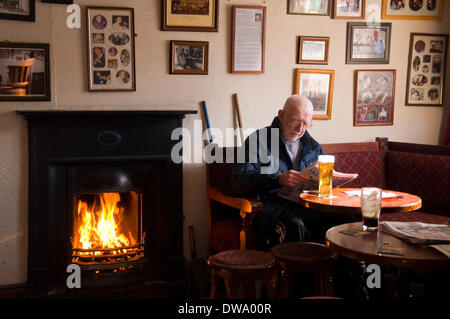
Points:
[[260, 96]]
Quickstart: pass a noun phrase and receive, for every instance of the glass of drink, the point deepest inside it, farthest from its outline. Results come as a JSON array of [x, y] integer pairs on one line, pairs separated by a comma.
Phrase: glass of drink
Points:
[[326, 166], [370, 207]]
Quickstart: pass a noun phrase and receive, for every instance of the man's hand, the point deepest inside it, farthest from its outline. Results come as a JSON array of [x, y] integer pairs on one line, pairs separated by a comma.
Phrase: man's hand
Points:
[[291, 178]]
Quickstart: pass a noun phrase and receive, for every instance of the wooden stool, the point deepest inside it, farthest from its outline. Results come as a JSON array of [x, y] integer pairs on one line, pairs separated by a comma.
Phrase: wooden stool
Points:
[[243, 266], [305, 257]]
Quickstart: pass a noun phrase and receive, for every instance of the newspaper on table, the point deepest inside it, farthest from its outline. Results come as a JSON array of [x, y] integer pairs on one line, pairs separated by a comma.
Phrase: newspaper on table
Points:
[[443, 248], [418, 233], [311, 175]]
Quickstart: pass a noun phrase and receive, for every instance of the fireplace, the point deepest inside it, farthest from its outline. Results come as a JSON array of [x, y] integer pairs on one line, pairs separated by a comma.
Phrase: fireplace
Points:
[[105, 195], [107, 233]]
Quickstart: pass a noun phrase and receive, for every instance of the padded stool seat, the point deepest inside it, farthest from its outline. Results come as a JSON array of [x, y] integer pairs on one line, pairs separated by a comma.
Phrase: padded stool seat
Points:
[[243, 266], [305, 257]]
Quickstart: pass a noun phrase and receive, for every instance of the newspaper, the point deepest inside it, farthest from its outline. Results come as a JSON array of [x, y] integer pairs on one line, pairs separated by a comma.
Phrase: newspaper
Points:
[[311, 175], [443, 248], [418, 233]]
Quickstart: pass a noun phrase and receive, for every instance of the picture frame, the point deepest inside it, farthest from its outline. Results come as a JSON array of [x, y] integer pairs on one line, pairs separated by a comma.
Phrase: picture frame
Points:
[[313, 50], [24, 71], [349, 9], [374, 97], [367, 43], [318, 7], [21, 10], [412, 10], [188, 15], [427, 62], [110, 49], [317, 85], [189, 57], [248, 26]]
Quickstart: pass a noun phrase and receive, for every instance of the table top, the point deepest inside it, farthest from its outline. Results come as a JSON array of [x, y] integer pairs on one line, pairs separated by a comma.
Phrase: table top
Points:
[[341, 202], [365, 248]]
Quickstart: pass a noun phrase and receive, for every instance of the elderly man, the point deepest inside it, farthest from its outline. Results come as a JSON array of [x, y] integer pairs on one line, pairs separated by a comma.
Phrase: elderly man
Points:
[[280, 221]]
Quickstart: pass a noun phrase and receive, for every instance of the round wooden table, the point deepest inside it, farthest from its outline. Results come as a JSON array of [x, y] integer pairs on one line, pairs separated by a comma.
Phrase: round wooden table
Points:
[[365, 248], [341, 202]]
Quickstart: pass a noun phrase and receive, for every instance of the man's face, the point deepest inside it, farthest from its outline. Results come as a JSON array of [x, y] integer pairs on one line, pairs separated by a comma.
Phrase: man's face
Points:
[[375, 35], [294, 123]]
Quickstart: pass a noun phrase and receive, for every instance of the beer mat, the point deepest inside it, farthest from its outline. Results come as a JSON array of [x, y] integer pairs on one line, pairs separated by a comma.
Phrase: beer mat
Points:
[[392, 251], [354, 232]]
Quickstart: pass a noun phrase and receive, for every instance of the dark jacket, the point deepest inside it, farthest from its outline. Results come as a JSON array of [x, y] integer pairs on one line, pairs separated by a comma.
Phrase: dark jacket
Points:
[[248, 180]]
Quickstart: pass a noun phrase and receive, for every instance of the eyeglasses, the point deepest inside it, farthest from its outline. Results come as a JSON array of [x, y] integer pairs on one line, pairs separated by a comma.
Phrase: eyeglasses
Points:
[[300, 124]]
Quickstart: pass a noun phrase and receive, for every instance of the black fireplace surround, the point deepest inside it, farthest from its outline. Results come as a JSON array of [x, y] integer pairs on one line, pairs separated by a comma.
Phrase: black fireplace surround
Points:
[[81, 152]]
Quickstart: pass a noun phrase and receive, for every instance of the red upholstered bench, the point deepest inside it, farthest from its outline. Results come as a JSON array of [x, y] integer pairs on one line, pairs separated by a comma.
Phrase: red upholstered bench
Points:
[[422, 170]]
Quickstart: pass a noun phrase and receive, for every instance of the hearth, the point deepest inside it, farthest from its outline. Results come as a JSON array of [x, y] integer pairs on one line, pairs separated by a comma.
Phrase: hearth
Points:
[[105, 195], [107, 234]]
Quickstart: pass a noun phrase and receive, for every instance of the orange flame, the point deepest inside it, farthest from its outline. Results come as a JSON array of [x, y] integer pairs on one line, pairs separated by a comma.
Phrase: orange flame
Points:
[[99, 224]]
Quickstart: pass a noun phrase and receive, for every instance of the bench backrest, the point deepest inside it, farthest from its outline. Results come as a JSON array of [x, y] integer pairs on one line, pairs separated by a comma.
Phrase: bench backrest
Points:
[[423, 170], [366, 159]]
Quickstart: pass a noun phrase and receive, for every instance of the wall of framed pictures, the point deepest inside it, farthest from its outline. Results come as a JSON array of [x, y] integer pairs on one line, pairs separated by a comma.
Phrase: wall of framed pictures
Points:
[[260, 95]]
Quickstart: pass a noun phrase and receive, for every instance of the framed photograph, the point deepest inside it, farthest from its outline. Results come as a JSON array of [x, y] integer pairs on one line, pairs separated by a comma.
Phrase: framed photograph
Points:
[[317, 85], [22, 10], [412, 9], [248, 39], [24, 71], [313, 50], [374, 97], [189, 57], [110, 38], [311, 7], [368, 44], [427, 62], [349, 9], [190, 15]]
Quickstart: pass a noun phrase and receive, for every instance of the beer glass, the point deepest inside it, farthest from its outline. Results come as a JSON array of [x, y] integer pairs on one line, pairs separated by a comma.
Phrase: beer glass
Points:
[[326, 166], [370, 207]]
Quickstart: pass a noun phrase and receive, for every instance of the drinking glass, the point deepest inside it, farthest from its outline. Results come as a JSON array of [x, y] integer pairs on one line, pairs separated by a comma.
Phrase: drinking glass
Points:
[[370, 207], [326, 166]]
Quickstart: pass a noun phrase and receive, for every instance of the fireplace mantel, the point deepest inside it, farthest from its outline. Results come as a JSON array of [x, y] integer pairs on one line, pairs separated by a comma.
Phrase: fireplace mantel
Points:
[[177, 113]]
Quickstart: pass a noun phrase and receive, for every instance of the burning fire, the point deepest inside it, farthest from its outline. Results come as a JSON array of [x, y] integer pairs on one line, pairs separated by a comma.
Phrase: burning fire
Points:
[[99, 224]]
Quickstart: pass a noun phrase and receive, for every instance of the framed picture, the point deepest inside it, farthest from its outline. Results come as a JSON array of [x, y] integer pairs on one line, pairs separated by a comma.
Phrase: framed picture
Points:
[[17, 10], [412, 9], [190, 15], [374, 97], [110, 38], [189, 57], [24, 71], [248, 39], [426, 69], [313, 50], [317, 85], [312, 7], [368, 44], [349, 9]]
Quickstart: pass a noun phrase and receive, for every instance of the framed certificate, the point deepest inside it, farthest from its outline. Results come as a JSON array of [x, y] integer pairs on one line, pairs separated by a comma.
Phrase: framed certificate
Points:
[[248, 39], [313, 50]]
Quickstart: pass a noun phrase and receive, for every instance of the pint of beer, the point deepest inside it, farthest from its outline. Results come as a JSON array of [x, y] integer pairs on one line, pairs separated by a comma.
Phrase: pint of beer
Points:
[[326, 165], [370, 207]]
